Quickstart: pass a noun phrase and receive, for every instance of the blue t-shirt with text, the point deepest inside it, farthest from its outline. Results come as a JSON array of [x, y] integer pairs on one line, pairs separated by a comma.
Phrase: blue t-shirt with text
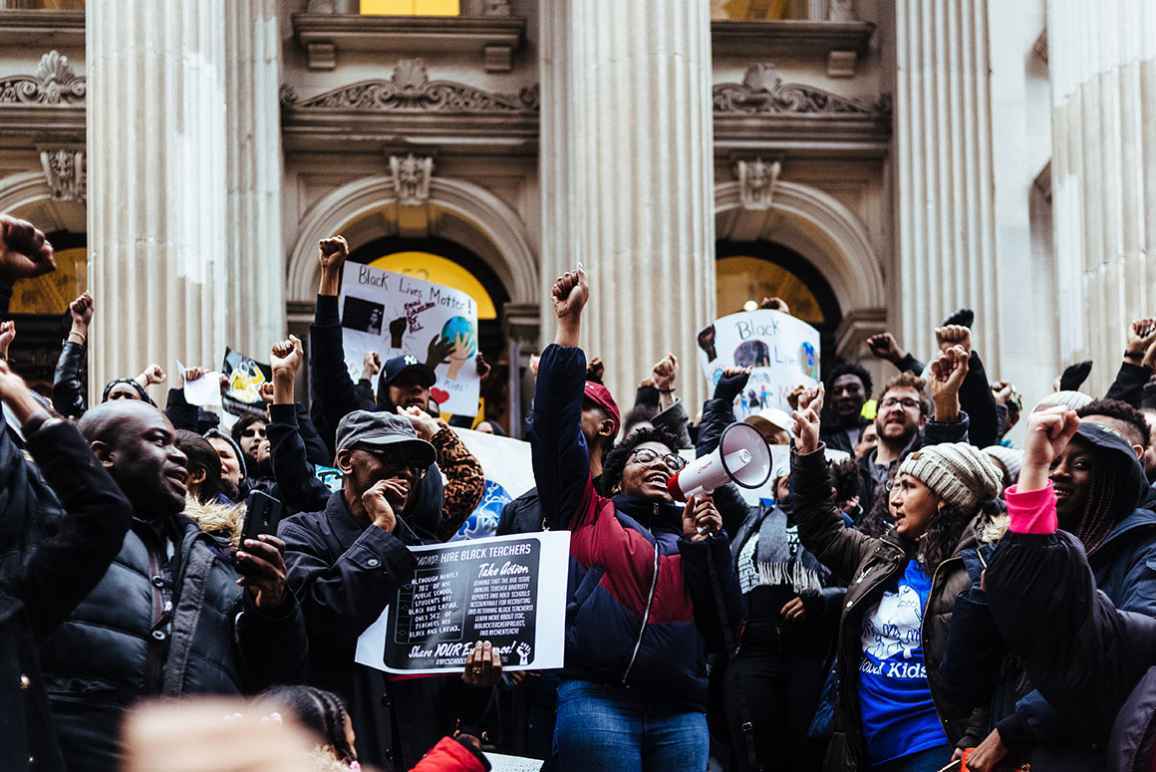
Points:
[[899, 717]]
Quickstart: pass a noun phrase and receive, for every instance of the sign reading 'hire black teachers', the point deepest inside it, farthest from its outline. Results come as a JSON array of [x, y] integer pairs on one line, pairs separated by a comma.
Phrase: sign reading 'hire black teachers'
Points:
[[508, 590]]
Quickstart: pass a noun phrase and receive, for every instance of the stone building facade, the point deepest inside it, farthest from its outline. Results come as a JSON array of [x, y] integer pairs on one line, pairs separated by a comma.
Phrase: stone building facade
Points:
[[877, 162]]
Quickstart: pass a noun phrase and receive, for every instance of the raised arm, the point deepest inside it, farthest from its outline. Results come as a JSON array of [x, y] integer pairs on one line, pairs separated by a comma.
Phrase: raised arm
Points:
[[59, 571], [561, 459], [69, 379], [821, 526], [300, 489], [333, 390]]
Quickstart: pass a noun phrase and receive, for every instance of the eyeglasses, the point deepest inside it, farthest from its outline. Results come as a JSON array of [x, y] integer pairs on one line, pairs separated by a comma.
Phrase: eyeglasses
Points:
[[647, 456], [906, 402]]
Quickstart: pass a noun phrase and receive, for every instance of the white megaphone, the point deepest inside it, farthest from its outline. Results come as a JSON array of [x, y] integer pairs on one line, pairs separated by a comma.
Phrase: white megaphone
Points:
[[742, 457]]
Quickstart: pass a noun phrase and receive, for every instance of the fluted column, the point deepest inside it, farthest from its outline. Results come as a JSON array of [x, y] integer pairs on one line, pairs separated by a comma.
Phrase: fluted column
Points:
[[945, 215], [156, 182], [628, 177], [1102, 61], [255, 310]]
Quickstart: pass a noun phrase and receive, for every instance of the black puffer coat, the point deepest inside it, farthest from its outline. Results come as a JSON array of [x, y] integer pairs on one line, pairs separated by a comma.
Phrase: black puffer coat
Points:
[[121, 644]]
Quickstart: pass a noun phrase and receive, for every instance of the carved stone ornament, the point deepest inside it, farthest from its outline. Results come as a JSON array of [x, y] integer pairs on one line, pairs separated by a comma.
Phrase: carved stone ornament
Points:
[[842, 10], [410, 90], [757, 181], [67, 175], [411, 177], [763, 92], [497, 8], [54, 83]]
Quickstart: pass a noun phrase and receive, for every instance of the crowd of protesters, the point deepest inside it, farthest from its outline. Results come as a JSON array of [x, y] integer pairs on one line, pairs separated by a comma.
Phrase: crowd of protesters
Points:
[[916, 593]]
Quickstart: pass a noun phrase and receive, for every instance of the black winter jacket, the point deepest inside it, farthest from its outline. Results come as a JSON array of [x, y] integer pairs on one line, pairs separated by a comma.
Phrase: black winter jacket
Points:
[[346, 572], [121, 644], [49, 560]]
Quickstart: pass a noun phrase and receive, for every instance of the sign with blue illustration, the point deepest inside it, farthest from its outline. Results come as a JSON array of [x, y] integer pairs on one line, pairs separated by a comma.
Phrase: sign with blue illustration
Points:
[[782, 351]]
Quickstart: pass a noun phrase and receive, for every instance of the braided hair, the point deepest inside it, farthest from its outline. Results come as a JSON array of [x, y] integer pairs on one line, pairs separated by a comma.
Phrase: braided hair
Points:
[[1099, 517], [319, 710]]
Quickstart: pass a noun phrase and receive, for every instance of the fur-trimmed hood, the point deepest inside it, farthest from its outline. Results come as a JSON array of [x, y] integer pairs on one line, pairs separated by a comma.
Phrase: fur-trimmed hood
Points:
[[223, 521]]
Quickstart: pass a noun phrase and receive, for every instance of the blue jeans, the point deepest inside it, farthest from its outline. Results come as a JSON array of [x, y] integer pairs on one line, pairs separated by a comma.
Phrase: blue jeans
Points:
[[603, 728]]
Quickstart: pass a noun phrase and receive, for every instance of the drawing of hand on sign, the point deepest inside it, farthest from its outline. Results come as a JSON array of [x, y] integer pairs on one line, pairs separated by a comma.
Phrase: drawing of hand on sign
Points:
[[465, 343]]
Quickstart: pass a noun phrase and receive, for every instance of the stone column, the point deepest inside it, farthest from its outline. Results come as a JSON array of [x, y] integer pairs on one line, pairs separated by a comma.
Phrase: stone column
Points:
[[628, 178], [156, 180], [1102, 61], [255, 254], [944, 180]]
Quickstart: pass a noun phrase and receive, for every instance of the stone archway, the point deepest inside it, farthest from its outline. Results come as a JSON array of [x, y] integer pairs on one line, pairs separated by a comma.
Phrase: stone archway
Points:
[[22, 190], [514, 261], [832, 238]]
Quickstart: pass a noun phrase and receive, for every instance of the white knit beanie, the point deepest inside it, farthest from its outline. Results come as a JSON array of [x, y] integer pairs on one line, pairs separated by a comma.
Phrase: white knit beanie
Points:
[[1012, 459], [959, 473], [1072, 400]]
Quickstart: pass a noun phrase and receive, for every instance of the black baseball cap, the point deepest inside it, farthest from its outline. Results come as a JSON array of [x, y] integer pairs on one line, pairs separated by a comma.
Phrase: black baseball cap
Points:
[[407, 363], [375, 430]]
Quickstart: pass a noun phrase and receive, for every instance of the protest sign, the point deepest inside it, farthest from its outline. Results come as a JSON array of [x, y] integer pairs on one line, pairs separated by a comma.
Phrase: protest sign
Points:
[[204, 391], [782, 350], [509, 473], [245, 377], [509, 590], [394, 314]]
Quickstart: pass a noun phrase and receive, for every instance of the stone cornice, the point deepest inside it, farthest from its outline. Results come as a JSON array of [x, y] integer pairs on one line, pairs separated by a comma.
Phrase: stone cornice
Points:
[[799, 38], [495, 37], [64, 29]]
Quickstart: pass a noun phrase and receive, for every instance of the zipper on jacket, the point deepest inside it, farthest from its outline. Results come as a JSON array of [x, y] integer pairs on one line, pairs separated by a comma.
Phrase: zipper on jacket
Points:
[[645, 617], [923, 639]]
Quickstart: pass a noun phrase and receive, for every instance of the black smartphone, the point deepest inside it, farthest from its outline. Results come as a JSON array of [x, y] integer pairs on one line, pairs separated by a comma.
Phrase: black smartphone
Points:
[[262, 514]]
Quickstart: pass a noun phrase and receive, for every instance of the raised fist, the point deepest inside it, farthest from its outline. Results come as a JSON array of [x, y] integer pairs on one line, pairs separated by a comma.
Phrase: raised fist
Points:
[[953, 335], [570, 293], [885, 347], [332, 253], [81, 310], [24, 252]]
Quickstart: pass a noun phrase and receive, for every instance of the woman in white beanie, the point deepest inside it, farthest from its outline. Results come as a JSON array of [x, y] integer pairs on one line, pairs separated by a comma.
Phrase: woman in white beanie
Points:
[[893, 712]]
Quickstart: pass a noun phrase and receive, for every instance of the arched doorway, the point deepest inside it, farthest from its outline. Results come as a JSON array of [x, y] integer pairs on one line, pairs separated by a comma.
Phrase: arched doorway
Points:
[[752, 270]]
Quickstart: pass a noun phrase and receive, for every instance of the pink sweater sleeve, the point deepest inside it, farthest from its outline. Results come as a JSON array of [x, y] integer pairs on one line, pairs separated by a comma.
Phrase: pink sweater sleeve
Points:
[[1032, 512]]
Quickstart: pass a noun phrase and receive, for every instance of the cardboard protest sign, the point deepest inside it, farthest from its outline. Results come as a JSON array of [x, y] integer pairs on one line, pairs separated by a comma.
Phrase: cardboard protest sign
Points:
[[245, 376], [394, 314], [783, 350], [509, 590]]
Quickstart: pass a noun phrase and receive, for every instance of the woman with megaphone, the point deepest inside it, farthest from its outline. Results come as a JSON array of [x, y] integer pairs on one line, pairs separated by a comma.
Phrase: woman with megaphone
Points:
[[895, 712], [648, 583]]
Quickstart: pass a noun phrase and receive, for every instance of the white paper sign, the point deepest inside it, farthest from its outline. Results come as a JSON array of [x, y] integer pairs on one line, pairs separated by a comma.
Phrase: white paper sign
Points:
[[783, 350], [205, 391], [510, 590], [394, 314], [500, 762]]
